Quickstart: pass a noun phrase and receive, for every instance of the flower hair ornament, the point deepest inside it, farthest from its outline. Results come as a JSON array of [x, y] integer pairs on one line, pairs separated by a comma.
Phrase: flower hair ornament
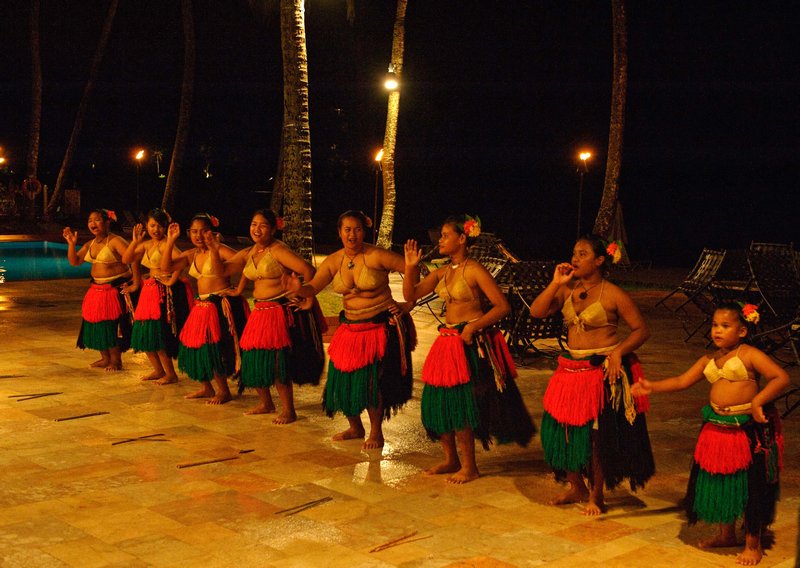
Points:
[[279, 224], [211, 219], [471, 226], [110, 215], [750, 313], [368, 221], [614, 251]]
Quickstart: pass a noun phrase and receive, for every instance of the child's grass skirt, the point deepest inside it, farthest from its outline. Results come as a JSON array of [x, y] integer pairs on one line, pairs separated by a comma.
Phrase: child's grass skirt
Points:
[[106, 317], [159, 317]]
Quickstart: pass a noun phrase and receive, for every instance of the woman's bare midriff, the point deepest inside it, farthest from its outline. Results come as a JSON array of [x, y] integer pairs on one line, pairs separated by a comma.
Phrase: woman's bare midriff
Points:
[[590, 338], [108, 270], [211, 285], [725, 393]]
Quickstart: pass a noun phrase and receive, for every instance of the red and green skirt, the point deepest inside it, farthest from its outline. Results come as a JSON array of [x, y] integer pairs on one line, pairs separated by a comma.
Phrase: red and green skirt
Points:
[[370, 364], [578, 401], [159, 317], [472, 386], [735, 471], [106, 318], [210, 338]]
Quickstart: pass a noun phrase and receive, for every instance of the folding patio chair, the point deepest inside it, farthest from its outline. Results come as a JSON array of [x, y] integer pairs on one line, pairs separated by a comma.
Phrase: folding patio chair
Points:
[[699, 277]]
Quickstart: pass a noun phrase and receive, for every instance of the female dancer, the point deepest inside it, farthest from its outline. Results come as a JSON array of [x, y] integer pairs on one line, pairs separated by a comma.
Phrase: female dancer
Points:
[[282, 341], [164, 300], [370, 351], [738, 455], [210, 338], [107, 307], [469, 374], [592, 424]]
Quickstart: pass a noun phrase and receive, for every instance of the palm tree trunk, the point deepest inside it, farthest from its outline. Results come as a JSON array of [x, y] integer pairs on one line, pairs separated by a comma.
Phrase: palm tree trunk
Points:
[[390, 136], [295, 167], [79, 117], [185, 112], [36, 94], [605, 214]]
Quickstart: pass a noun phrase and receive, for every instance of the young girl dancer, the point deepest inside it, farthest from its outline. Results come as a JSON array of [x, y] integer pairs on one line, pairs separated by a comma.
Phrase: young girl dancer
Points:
[[282, 341], [591, 424], [738, 454], [107, 306], [370, 352], [468, 374], [164, 300], [210, 337]]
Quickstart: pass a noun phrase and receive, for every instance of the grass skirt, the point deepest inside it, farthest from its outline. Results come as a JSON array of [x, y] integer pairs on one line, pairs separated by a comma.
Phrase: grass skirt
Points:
[[370, 364], [210, 338], [473, 386], [735, 470], [577, 397], [106, 323], [160, 315]]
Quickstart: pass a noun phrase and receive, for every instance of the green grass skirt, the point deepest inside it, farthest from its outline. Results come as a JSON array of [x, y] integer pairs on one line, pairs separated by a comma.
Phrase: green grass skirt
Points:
[[351, 392], [720, 498], [446, 409], [262, 367], [566, 448], [202, 362], [147, 336], [100, 336]]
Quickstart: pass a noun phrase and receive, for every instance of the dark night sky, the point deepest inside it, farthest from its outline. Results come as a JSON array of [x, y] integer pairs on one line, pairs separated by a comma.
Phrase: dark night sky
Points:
[[498, 97]]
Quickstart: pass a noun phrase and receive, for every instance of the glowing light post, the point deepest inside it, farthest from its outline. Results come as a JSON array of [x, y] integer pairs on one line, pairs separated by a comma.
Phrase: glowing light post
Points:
[[138, 157], [378, 170], [583, 169]]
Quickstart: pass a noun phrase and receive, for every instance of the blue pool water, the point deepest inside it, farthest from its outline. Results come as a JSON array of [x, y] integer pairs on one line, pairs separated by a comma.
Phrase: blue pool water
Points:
[[37, 260]]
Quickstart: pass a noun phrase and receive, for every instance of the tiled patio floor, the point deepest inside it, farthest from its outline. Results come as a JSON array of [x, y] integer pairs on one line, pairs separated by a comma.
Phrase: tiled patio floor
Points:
[[70, 498]]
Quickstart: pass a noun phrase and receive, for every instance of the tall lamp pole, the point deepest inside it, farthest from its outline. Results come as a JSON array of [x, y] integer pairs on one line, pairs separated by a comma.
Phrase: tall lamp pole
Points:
[[378, 170], [583, 169], [139, 155]]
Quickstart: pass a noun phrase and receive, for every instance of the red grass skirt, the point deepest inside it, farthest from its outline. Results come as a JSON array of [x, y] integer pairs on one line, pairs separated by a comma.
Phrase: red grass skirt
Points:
[[106, 322], [160, 315]]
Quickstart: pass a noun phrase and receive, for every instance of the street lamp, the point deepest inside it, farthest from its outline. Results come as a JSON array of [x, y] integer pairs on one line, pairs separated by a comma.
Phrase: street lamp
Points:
[[138, 157], [583, 169], [378, 170], [391, 83]]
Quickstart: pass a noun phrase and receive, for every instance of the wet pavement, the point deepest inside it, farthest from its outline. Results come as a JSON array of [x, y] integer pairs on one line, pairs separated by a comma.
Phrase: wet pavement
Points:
[[73, 495]]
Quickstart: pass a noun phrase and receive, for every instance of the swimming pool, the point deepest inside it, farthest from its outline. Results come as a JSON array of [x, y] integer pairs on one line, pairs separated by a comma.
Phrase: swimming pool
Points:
[[37, 260]]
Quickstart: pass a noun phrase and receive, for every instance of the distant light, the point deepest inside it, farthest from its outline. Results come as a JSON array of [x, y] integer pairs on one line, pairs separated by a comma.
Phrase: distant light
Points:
[[585, 156], [2, 160], [391, 82], [379, 155], [139, 155]]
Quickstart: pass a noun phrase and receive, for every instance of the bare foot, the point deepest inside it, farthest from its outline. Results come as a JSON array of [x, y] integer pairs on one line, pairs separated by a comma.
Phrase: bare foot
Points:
[[205, 392], [444, 467], [750, 556], [721, 540], [261, 409], [349, 434], [153, 376], [167, 380], [373, 443], [574, 495], [285, 418], [220, 398], [594, 508], [100, 363], [113, 366], [463, 475]]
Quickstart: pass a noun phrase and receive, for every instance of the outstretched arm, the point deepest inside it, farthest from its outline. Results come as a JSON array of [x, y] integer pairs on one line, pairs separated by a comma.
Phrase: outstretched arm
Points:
[[681, 382]]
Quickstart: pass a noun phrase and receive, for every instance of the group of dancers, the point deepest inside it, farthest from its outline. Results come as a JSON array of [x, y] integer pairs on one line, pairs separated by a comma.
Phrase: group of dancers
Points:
[[593, 430]]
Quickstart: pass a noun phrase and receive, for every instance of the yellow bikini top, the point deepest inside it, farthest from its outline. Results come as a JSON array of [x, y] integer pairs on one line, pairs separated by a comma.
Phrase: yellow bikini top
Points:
[[267, 267], [593, 315], [105, 256], [459, 290], [732, 370], [206, 272], [152, 259], [367, 279]]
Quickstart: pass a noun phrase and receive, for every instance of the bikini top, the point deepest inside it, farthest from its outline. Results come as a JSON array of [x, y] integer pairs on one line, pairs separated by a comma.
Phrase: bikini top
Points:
[[105, 256], [732, 370], [458, 291], [267, 267], [206, 272], [152, 259], [593, 315], [367, 279]]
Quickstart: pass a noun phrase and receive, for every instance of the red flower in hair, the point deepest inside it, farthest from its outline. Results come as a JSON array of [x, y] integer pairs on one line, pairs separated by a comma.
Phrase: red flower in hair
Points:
[[369, 221], [750, 313], [111, 215], [214, 221], [279, 223]]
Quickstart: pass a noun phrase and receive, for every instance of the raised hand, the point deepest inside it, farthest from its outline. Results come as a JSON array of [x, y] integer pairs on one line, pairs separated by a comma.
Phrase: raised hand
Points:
[[211, 240], [138, 233], [173, 232], [413, 254], [70, 236], [563, 273]]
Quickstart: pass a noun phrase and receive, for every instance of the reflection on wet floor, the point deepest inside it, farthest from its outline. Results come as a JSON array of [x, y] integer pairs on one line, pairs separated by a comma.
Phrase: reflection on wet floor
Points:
[[268, 495]]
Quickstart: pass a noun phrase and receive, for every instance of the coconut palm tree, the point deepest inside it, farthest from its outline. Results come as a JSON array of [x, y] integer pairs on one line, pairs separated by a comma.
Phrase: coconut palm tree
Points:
[[66, 163], [185, 112], [390, 136], [36, 94], [605, 214]]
